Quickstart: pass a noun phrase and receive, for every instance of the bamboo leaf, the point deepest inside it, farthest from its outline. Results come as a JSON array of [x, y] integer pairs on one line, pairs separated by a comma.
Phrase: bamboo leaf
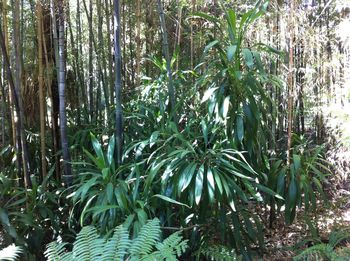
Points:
[[207, 17], [109, 191], [248, 57], [226, 106], [110, 150], [199, 184], [97, 148], [231, 51], [186, 176], [211, 184], [210, 46], [170, 200], [208, 93], [239, 128]]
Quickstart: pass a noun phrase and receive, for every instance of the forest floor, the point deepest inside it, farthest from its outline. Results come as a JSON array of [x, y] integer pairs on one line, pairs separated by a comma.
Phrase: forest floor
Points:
[[334, 214]]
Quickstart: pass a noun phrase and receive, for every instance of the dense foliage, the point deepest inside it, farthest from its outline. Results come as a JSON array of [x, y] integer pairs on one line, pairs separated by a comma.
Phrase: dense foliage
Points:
[[210, 127]]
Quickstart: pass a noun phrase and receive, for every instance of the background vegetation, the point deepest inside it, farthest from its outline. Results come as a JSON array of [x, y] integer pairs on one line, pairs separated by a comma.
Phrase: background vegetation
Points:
[[123, 122]]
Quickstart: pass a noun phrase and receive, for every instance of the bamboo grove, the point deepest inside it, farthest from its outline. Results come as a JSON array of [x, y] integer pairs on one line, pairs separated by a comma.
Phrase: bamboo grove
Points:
[[204, 114]]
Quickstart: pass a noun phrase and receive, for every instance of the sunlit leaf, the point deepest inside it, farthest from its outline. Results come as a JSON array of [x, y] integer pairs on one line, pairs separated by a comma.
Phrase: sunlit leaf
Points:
[[199, 184], [208, 93], [211, 184], [186, 176], [231, 51], [248, 57], [170, 200], [110, 150]]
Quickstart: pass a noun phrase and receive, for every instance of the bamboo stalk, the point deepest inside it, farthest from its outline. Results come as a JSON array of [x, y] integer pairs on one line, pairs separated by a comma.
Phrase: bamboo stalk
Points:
[[290, 81], [118, 81], [171, 91], [61, 87], [41, 89]]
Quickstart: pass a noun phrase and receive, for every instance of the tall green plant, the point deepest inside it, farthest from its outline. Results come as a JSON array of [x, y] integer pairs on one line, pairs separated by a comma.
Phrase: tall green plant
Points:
[[333, 250], [198, 167], [30, 216], [106, 194], [300, 183], [305, 176], [235, 80]]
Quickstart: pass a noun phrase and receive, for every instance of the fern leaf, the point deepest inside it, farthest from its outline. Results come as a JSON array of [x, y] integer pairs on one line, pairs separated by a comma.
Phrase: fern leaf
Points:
[[88, 246], [318, 251], [117, 246], [147, 239], [336, 237], [54, 251], [172, 247], [10, 253], [218, 253]]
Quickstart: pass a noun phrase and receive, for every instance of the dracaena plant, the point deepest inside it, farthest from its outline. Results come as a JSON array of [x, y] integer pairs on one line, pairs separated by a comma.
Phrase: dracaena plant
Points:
[[235, 81], [105, 194], [304, 179], [300, 183], [29, 216], [198, 169]]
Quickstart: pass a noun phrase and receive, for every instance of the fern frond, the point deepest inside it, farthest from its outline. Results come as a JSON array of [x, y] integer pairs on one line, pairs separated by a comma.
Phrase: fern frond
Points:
[[318, 251], [117, 246], [344, 254], [10, 253], [54, 251], [336, 237], [218, 253], [174, 245], [147, 239], [88, 245], [67, 257]]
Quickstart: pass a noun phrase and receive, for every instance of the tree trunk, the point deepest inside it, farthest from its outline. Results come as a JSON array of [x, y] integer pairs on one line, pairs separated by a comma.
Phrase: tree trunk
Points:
[[91, 79], [290, 81], [80, 64], [41, 88], [171, 91], [131, 50], [54, 114], [118, 81], [16, 100], [191, 36], [3, 113], [61, 87], [76, 70], [18, 87], [123, 32], [110, 55], [178, 35], [138, 42], [101, 54]]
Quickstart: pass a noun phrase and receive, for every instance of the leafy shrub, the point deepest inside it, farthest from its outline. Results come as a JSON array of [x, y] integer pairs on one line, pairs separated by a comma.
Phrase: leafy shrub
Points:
[[198, 167], [217, 253], [235, 82], [331, 251], [32, 216], [106, 194], [301, 182], [146, 246]]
